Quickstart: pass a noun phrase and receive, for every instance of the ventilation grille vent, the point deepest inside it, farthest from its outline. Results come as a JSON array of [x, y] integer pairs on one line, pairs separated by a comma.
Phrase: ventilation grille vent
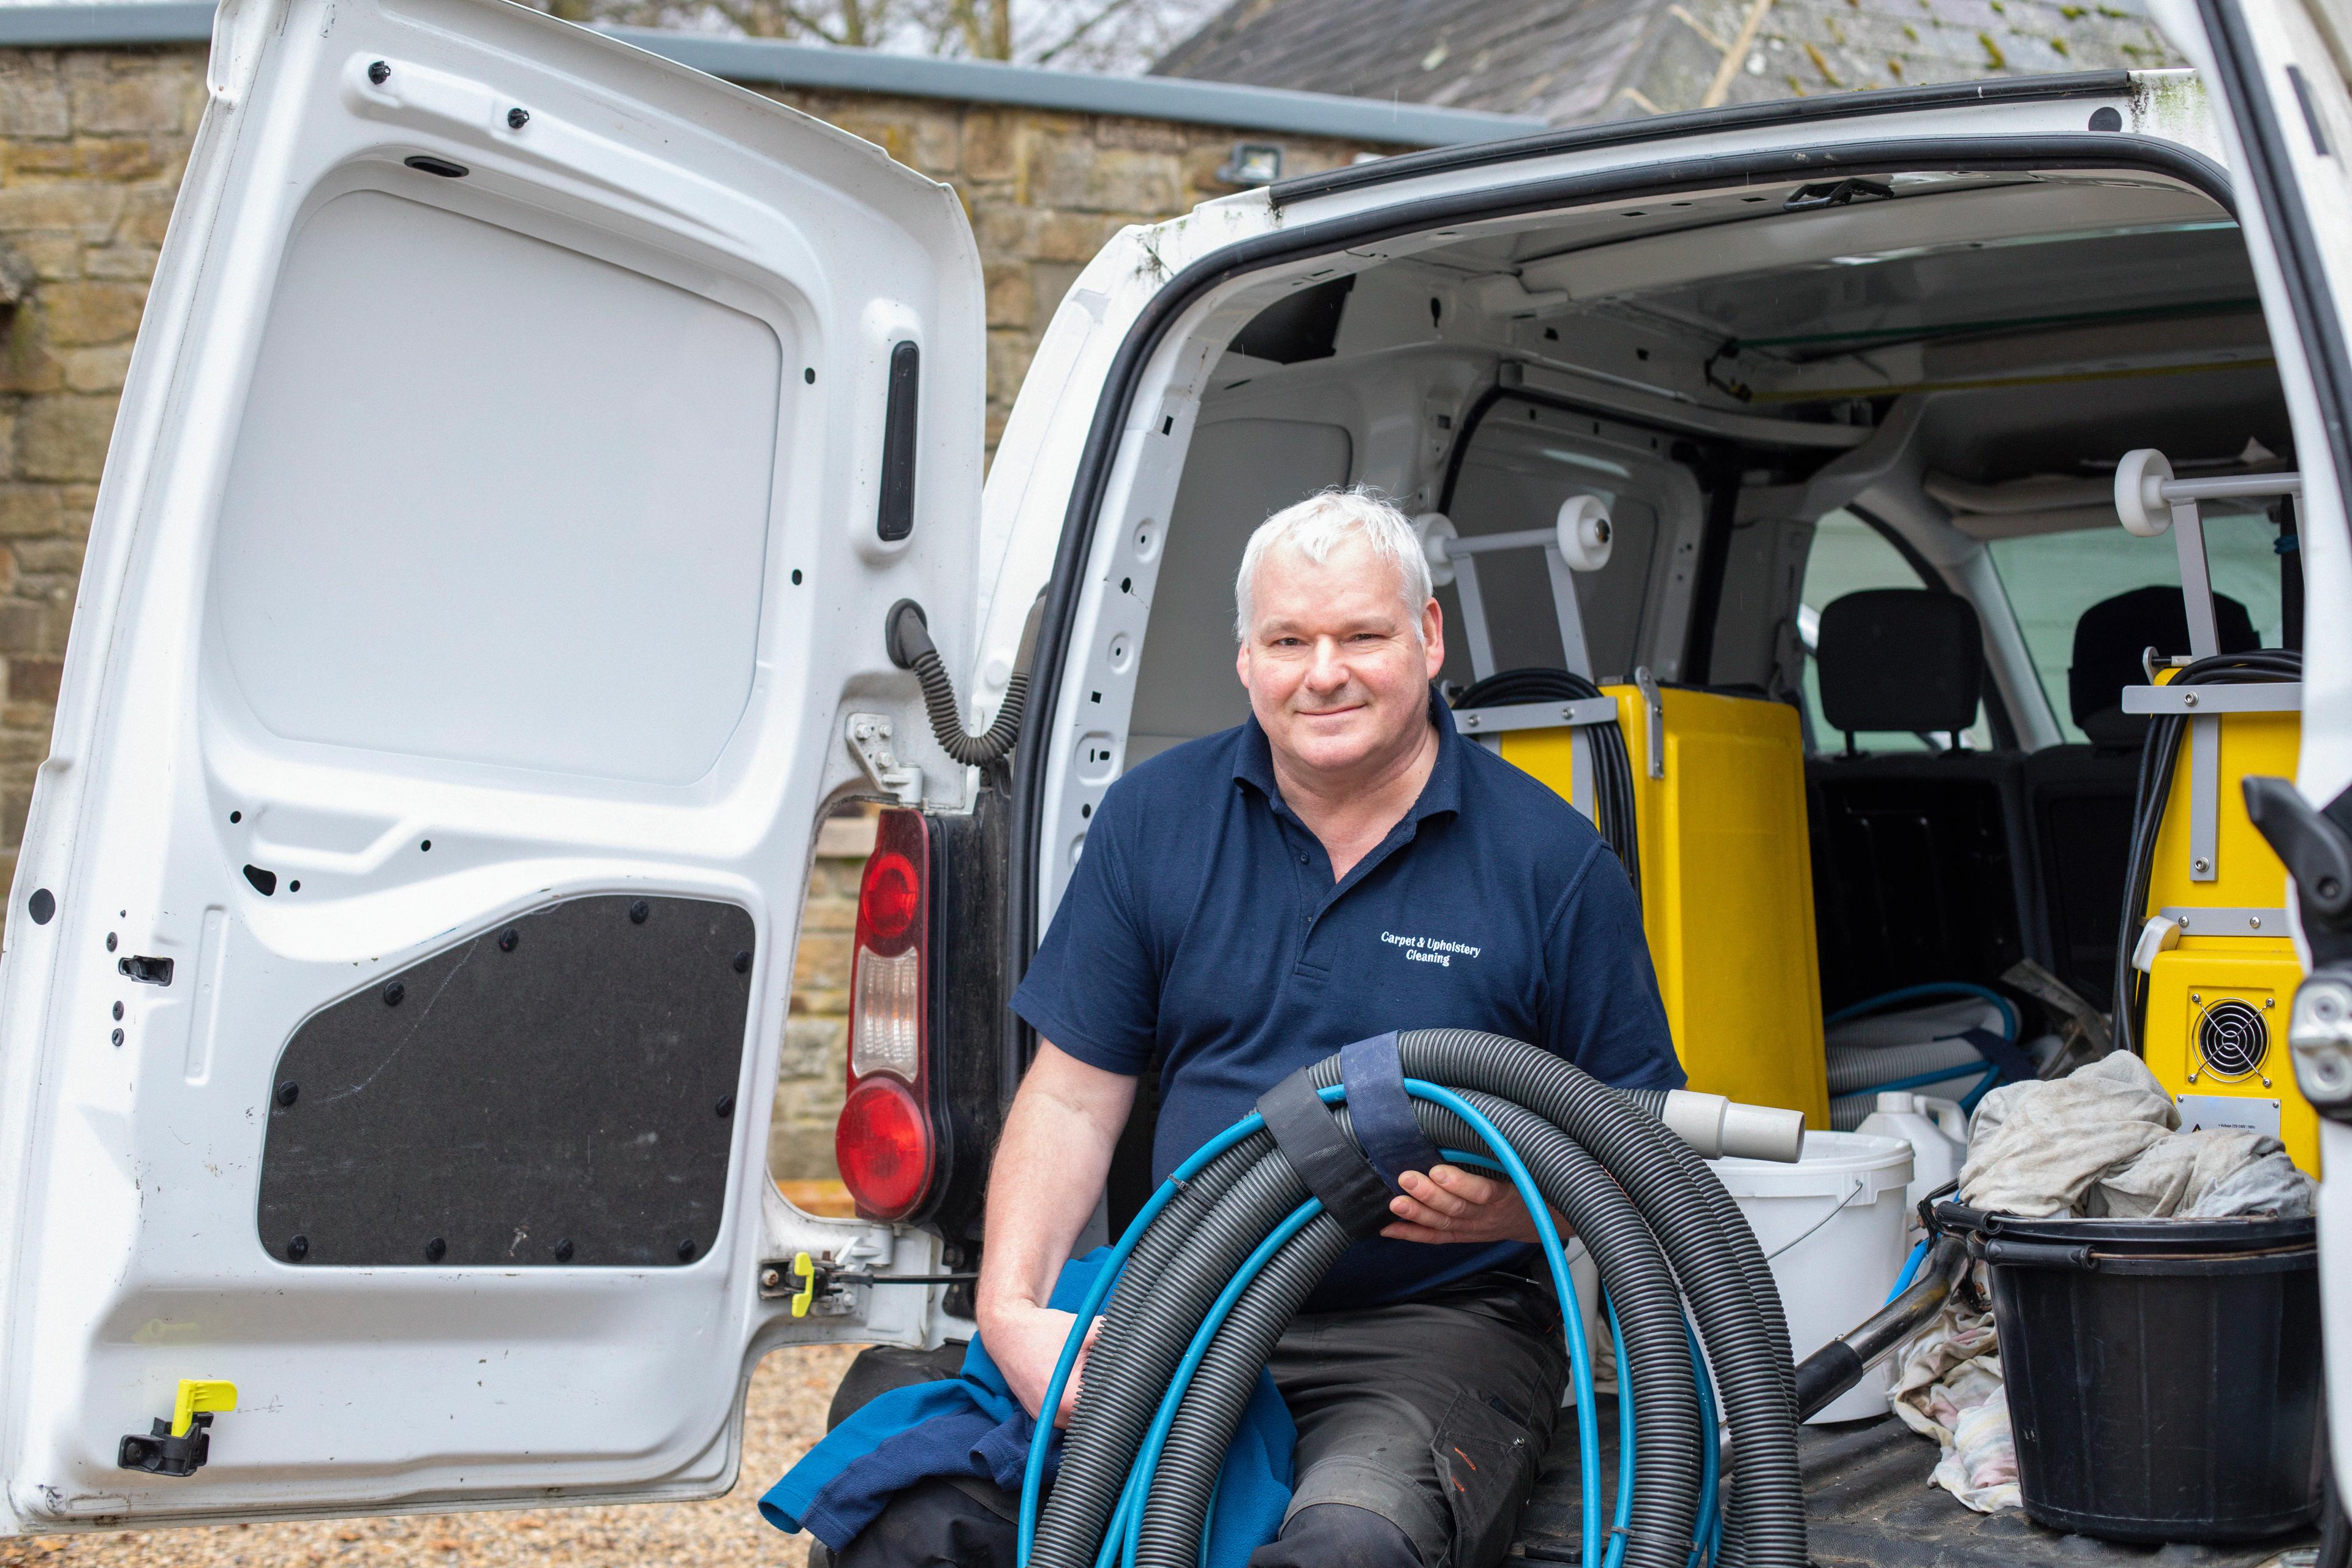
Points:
[[2232, 1037]]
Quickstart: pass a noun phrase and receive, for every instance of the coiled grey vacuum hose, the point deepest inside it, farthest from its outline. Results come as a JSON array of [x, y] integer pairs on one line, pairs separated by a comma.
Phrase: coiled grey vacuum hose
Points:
[[1661, 1229]]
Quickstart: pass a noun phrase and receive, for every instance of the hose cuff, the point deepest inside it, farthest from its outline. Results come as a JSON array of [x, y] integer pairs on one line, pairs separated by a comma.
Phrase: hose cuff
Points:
[[1326, 1158], [1380, 1113]]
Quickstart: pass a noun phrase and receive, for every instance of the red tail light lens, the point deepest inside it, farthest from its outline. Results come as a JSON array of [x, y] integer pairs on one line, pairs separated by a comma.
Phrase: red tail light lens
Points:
[[883, 1142], [887, 900], [883, 1145]]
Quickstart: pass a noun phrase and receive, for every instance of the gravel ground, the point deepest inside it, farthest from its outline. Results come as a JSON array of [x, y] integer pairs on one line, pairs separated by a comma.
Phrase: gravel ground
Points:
[[785, 1413]]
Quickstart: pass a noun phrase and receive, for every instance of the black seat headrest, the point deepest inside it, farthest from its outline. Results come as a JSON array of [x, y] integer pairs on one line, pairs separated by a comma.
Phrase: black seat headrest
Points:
[[2108, 641], [1900, 659]]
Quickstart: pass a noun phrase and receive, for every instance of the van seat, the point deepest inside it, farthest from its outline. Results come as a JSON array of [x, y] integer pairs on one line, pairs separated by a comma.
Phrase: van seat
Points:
[[2081, 795], [1923, 869]]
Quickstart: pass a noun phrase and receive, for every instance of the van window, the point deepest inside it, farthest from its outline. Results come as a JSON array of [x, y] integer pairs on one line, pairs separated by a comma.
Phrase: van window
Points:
[[2051, 578], [1848, 555]]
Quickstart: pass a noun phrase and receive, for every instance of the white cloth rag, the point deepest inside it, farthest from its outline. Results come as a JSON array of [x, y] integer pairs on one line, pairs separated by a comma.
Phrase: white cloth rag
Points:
[[2099, 1141]]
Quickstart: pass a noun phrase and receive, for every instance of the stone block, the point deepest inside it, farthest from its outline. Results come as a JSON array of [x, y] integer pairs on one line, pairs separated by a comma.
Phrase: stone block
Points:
[[1069, 236], [822, 964], [16, 803], [94, 370], [28, 367], [33, 102], [992, 144], [76, 313], [135, 262], [36, 159], [30, 512], [1011, 300], [84, 207], [1075, 176], [52, 255], [813, 1048], [35, 680], [145, 212], [60, 556], [1050, 280], [64, 437], [117, 158], [142, 100], [938, 141], [25, 627], [23, 745], [1141, 135]]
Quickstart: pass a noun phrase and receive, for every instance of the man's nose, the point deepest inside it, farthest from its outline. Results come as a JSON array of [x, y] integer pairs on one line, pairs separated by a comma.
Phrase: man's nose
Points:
[[1329, 671]]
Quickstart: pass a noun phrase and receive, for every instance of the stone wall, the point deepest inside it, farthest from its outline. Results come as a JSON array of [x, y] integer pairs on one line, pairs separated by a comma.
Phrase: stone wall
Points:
[[93, 145]]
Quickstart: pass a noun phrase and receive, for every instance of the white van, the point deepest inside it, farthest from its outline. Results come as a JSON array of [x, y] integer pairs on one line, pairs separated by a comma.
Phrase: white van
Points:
[[525, 442]]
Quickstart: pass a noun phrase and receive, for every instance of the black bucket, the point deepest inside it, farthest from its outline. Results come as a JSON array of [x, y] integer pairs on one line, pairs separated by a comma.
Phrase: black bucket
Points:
[[2163, 1376]]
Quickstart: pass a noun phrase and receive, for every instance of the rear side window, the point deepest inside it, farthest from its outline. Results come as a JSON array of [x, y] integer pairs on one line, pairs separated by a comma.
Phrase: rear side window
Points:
[[2053, 578], [1848, 555]]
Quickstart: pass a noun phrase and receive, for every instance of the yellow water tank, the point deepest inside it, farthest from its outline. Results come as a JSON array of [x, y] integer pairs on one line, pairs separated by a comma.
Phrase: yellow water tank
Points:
[[1727, 885], [2215, 1027]]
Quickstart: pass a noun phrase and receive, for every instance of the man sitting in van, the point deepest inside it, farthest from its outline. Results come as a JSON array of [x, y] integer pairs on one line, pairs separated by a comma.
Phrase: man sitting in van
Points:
[[1341, 865]]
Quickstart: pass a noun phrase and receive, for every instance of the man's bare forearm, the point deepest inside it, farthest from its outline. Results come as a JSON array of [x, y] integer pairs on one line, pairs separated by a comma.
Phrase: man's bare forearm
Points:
[[1047, 1176]]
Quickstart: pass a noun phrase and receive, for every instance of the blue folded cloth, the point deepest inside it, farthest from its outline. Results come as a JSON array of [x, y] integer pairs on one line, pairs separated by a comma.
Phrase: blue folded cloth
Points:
[[971, 1425]]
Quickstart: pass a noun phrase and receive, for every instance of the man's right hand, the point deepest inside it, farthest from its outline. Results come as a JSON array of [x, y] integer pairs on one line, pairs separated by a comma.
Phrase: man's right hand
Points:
[[1026, 1343]]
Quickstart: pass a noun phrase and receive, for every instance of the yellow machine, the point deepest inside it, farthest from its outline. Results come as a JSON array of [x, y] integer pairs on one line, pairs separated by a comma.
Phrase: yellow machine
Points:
[[1726, 882], [2218, 995]]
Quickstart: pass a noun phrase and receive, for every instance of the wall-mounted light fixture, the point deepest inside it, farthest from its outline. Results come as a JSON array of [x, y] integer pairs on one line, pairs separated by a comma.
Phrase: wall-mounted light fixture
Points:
[[1253, 163]]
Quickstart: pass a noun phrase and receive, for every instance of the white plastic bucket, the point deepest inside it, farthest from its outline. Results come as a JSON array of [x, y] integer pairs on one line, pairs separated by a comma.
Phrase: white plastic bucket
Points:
[[1831, 1226]]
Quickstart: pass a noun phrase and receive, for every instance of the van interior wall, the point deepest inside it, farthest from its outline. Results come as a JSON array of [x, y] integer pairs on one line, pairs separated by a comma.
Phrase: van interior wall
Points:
[[2003, 338]]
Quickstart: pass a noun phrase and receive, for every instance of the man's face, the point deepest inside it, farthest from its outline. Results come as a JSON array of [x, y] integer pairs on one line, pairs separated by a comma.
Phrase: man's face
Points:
[[1337, 668]]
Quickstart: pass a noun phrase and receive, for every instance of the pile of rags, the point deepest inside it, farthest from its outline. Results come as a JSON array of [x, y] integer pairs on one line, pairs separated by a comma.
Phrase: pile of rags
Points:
[[2101, 1142]]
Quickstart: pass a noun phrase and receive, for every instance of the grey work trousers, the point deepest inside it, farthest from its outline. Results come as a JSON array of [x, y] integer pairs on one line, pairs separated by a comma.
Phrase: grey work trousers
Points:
[[1421, 1429]]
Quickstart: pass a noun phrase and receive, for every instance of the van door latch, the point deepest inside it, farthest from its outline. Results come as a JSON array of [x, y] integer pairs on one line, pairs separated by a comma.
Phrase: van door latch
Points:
[[181, 1445]]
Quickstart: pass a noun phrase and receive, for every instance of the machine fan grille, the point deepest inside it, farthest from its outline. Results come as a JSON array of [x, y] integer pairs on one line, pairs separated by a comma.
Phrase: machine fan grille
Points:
[[2232, 1037]]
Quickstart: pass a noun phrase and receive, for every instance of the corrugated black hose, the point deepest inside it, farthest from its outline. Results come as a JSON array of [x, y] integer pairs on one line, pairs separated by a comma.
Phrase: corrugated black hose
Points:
[[1661, 1231], [906, 633]]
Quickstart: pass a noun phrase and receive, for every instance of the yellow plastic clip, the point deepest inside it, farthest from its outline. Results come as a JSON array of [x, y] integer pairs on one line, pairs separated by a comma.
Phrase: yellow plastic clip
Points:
[[200, 1394], [803, 1270]]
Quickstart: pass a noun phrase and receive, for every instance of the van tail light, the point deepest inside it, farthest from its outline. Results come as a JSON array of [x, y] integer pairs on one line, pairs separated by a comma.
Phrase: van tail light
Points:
[[885, 1143]]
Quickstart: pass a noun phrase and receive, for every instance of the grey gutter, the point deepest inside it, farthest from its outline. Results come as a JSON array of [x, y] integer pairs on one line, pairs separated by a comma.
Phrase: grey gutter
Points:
[[769, 62]]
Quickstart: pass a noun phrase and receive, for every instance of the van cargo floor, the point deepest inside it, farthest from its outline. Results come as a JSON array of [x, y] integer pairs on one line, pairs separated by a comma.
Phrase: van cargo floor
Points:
[[1871, 1505]]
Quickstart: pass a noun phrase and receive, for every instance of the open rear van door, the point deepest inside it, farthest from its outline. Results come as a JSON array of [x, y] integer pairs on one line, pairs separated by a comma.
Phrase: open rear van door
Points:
[[2284, 68], [524, 441]]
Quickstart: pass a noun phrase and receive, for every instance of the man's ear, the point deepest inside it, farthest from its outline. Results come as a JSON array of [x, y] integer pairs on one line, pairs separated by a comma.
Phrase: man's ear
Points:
[[1433, 636], [1242, 663]]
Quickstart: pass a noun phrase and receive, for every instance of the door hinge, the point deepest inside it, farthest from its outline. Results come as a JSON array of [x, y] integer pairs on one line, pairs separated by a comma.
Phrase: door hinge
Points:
[[870, 742]]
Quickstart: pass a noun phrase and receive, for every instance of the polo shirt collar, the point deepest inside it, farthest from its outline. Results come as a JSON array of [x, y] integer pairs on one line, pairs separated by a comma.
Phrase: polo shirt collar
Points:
[[1440, 795]]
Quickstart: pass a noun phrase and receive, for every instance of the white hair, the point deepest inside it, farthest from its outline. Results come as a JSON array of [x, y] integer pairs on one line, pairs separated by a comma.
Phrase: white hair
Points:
[[1319, 525]]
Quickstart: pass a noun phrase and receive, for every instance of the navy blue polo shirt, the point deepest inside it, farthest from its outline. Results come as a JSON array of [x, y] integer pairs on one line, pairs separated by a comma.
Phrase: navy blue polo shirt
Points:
[[1202, 927]]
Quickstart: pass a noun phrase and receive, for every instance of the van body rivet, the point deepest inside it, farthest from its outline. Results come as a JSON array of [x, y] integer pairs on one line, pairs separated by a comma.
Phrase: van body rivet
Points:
[[743, 962], [288, 1093], [298, 1249], [726, 1105], [435, 1250], [638, 912], [379, 73], [507, 940], [117, 1036], [564, 1251], [393, 992], [118, 1009], [518, 117], [686, 1250]]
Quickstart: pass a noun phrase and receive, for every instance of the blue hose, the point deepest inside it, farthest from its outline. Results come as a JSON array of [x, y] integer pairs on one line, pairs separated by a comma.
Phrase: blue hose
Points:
[[1933, 988], [1128, 1518], [1987, 1072], [1033, 1477], [1910, 1267], [1710, 1458], [1617, 1534]]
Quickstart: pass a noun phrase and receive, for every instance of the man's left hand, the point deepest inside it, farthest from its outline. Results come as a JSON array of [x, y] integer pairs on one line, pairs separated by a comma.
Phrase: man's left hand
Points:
[[1452, 1204]]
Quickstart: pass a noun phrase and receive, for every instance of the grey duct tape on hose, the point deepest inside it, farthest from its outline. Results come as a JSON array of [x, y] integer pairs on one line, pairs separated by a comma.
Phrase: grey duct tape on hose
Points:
[[1325, 1156], [1381, 1112]]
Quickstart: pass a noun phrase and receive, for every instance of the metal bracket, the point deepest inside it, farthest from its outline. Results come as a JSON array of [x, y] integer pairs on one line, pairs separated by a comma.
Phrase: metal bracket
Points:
[[870, 742], [2197, 701], [2199, 919], [2203, 706], [1656, 704], [1576, 714]]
